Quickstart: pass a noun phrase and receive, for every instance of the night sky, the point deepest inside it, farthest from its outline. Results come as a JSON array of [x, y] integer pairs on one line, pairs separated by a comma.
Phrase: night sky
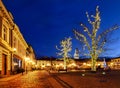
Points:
[[44, 23]]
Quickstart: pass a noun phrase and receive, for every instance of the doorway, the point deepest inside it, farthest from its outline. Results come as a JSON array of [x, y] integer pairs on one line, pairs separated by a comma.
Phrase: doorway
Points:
[[4, 64]]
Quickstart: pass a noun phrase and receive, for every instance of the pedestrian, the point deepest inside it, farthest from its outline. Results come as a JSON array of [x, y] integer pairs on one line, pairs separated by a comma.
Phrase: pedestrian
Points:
[[22, 70]]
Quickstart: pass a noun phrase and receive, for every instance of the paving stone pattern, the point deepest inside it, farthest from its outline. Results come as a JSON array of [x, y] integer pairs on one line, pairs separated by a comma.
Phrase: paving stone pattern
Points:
[[36, 79]]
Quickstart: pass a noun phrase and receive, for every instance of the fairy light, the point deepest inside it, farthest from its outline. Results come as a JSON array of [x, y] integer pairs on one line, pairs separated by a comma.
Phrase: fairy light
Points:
[[65, 48], [95, 47]]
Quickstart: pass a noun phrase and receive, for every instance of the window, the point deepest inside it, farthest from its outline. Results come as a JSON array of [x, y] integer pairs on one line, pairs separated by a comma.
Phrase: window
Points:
[[4, 33], [14, 42]]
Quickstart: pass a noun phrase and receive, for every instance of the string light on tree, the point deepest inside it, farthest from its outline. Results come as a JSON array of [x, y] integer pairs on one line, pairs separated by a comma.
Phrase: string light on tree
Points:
[[65, 48], [96, 43]]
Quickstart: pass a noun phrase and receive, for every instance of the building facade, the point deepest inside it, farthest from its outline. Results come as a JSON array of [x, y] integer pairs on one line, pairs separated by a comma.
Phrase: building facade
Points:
[[13, 47], [115, 63], [6, 27], [19, 47], [72, 64], [30, 61]]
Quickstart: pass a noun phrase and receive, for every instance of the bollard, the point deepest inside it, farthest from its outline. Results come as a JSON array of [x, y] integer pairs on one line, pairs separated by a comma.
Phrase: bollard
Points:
[[83, 74], [103, 73]]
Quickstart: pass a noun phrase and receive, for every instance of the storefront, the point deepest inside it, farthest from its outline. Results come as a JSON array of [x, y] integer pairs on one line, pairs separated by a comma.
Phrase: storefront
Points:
[[17, 63]]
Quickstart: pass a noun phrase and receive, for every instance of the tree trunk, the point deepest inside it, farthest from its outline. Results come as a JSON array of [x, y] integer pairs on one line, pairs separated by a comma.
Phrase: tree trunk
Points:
[[93, 66], [93, 53], [65, 66]]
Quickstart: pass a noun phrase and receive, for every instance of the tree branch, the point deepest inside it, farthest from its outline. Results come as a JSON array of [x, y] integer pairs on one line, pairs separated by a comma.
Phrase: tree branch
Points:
[[83, 37], [103, 34], [86, 30]]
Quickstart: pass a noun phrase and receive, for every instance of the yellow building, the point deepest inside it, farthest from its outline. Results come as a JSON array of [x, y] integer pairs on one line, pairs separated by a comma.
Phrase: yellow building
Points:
[[19, 47], [6, 27], [72, 64], [31, 61], [115, 63], [13, 47]]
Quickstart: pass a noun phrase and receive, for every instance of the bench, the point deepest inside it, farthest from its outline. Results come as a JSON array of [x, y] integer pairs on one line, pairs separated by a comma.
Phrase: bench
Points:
[[62, 70]]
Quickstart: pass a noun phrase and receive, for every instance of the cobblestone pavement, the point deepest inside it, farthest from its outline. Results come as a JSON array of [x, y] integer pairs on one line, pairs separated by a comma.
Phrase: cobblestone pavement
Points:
[[42, 79], [91, 80], [35, 79]]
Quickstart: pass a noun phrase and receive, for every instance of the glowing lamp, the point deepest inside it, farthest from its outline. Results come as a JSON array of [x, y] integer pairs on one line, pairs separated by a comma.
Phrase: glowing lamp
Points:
[[14, 49]]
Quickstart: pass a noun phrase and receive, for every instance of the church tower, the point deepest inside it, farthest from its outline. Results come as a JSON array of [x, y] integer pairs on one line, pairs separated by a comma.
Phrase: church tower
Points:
[[76, 54]]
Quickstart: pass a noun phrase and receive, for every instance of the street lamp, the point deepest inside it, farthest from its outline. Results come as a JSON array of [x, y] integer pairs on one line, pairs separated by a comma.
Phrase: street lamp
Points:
[[14, 49]]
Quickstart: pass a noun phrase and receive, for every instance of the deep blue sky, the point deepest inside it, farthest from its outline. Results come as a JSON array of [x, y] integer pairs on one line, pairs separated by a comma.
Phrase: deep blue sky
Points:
[[44, 23]]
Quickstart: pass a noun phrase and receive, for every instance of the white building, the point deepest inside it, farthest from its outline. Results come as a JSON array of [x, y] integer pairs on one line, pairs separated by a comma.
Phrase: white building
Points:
[[76, 54]]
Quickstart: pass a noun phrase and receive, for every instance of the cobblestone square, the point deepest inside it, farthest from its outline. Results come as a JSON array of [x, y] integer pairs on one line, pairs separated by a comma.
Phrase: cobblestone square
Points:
[[44, 79]]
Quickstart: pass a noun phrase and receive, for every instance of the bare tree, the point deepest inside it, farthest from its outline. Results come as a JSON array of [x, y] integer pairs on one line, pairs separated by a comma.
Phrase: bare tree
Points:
[[65, 48], [93, 42]]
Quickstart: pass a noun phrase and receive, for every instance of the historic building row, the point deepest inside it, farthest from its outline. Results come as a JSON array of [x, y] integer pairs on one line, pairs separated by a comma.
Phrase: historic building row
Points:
[[55, 64], [14, 51]]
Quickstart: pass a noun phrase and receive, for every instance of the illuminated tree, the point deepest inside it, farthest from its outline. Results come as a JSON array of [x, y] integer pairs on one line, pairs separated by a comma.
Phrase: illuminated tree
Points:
[[93, 42], [65, 48]]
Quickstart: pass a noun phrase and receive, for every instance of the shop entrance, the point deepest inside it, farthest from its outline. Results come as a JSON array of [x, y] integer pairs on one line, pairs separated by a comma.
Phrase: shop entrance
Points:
[[17, 63]]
